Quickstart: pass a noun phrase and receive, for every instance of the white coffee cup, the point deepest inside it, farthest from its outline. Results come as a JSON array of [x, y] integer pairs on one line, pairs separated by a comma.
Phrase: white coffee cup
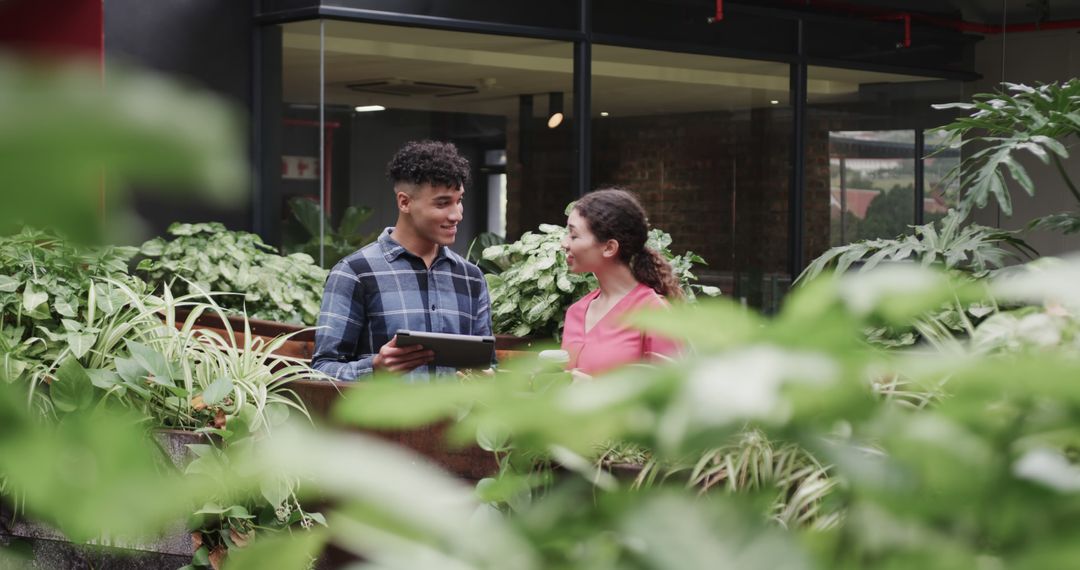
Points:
[[555, 356]]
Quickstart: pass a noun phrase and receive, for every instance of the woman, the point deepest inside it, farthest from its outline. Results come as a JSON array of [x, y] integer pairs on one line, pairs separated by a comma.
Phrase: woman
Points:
[[606, 234]]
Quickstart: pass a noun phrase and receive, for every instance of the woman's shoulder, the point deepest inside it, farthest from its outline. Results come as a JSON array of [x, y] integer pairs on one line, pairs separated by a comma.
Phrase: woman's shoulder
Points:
[[647, 296]]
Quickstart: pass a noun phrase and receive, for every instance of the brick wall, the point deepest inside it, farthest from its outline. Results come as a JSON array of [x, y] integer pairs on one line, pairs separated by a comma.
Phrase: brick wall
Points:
[[717, 182]]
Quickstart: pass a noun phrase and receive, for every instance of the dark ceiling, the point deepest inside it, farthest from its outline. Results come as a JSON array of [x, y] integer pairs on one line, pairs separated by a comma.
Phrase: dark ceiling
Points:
[[975, 11], [989, 11]]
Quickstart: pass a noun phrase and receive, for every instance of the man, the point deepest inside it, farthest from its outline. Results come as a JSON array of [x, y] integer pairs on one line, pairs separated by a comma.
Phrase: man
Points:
[[407, 279]]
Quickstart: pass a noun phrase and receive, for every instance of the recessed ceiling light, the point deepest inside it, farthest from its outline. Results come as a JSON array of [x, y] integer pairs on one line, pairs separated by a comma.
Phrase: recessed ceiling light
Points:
[[774, 102], [368, 108], [603, 113]]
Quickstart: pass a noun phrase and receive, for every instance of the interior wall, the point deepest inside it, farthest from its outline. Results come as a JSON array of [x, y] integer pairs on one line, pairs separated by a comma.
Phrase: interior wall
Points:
[[1031, 58], [377, 136]]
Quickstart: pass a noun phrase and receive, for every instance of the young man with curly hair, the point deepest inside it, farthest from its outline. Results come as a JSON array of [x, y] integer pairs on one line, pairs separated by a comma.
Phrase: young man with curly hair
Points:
[[407, 279]]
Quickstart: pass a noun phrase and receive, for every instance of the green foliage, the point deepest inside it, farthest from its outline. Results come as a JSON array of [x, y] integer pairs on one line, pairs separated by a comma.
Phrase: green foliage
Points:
[[950, 482], [949, 243], [177, 376], [984, 476], [475, 253], [49, 290], [65, 136], [1064, 222], [752, 463], [207, 257], [1004, 124], [532, 292], [82, 341], [534, 287], [336, 243], [94, 474]]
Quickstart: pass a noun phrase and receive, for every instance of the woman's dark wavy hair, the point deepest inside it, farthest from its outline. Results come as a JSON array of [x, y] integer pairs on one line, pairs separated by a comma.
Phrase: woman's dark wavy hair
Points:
[[614, 213], [432, 162]]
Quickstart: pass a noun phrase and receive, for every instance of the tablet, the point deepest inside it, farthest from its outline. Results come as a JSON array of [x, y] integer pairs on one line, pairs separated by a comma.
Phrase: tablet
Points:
[[453, 350]]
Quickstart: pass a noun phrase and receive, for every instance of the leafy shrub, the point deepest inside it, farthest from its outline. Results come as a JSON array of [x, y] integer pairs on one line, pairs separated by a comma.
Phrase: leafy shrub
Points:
[[948, 243], [336, 242], [174, 375], [475, 252], [1005, 123], [207, 257], [535, 286], [47, 289]]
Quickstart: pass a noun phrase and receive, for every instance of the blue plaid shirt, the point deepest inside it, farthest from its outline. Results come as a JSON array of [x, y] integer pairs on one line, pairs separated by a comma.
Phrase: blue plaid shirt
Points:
[[381, 289]]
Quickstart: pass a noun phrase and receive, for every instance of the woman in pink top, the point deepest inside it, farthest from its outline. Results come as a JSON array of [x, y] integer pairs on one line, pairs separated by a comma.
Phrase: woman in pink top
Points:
[[606, 234]]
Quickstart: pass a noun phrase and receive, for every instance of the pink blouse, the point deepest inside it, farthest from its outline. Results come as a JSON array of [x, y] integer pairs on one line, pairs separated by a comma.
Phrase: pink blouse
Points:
[[610, 343]]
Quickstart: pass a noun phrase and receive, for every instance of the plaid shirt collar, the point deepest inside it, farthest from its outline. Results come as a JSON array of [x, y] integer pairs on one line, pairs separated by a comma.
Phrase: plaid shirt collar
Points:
[[393, 250]]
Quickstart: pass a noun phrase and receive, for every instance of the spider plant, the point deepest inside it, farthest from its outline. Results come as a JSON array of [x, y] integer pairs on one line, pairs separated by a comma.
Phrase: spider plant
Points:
[[178, 375], [751, 462]]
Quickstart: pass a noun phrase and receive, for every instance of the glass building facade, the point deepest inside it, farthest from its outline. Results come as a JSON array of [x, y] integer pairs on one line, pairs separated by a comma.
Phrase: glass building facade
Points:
[[757, 141]]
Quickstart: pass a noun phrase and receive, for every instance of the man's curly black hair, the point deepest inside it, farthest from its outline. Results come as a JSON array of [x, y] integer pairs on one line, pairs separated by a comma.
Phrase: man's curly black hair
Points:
[[432, 162]]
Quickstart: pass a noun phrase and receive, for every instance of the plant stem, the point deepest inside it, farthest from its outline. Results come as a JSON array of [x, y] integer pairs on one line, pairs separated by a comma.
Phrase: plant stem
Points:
[[1065, 176]]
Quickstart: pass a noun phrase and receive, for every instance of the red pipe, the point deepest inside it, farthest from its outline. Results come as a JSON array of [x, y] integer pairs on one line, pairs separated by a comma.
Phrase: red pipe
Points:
[[906, 18], [719, 13]]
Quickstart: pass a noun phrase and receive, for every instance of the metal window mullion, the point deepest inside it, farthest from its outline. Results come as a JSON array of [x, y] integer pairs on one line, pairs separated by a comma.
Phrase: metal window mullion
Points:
[[322, 142], [583, 102], [797, 192], [920, 176]]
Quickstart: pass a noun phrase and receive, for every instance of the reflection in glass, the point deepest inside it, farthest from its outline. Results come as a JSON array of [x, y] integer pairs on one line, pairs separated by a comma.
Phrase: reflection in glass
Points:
[[387, 85], [940, 190], [705, 144], [863, 130], [872, 180]]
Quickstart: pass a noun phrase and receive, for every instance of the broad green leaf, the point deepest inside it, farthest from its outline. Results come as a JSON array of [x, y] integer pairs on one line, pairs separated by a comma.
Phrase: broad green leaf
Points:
[[81, 343], [72, 389], [8, 284], [71, 325], [491, 437], [130, 370], [276, 491], [150, 360], [104, 379], [33, 297], [65, 307], [220, 388]]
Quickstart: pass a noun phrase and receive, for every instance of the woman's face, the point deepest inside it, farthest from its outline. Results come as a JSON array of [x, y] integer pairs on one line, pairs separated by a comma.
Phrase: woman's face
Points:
[[583, 253]]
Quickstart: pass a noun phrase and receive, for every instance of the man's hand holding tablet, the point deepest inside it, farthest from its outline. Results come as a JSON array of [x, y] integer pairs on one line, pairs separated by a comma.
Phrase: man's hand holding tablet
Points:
[[450, 350]]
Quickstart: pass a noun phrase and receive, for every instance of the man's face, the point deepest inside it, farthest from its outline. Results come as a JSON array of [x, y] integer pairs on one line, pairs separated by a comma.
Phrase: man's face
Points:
[[435, 211]]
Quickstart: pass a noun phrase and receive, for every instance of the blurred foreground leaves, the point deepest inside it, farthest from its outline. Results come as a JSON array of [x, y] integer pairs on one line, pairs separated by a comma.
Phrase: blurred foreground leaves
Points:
[[65, 138]]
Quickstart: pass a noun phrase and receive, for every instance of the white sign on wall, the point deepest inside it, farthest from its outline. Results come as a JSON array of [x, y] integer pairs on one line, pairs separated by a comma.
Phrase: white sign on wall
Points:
[[299, 168]]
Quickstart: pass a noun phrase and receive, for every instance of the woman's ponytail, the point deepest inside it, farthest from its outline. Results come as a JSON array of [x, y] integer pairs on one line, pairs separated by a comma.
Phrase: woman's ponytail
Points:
[[650, 268]]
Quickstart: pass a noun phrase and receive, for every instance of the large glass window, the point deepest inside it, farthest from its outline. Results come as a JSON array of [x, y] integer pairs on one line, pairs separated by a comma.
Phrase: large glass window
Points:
[[872, 184], [705, 143], [865, 131], [386, 85]]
